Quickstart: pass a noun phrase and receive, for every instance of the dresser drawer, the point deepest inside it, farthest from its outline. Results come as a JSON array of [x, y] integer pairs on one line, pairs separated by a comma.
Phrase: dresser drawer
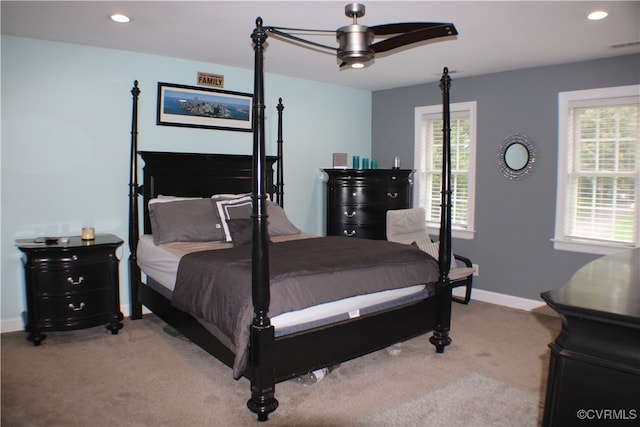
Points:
[[74, 307], [373, 178], [356, 214], [81, 278], [365, 231], [371, 195]]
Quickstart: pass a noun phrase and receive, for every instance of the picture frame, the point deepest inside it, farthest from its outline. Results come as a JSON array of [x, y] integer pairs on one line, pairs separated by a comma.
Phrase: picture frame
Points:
[[198, 107]]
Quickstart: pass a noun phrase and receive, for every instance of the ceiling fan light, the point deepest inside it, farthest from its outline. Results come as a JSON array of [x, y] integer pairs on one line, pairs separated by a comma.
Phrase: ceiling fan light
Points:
[[597, 15], [120, 18], [357, 65]]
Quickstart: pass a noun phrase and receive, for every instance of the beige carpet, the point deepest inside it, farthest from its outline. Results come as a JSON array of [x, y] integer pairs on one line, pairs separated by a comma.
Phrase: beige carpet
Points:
[[145, 377], [470, 401]]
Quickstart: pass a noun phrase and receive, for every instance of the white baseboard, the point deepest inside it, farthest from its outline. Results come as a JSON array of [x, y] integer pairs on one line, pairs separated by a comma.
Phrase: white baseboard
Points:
[[16, 324], [11, 325]]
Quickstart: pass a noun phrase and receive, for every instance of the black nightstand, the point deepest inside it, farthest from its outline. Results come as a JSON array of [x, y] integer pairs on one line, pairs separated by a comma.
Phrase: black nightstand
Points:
[[71, 285]]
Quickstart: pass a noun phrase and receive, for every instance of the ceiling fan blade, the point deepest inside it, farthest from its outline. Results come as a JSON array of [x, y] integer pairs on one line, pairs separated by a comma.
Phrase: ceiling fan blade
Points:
[[402, 27], [442, 30]]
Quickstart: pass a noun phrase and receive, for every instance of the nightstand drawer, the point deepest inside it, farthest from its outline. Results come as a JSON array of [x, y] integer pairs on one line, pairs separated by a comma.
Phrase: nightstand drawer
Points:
[[79, 279], [74, 307]]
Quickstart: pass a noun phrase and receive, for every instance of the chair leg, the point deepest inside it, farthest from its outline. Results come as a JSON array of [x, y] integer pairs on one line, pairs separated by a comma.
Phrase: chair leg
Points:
[[467, 295]]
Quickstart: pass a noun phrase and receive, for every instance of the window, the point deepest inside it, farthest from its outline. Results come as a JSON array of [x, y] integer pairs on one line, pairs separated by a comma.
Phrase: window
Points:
[[598, 170], [428, 165]]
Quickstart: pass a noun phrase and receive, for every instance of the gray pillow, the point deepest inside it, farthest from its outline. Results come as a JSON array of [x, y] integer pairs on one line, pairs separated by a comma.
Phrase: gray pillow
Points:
[[278, 223], [184, 221], [241, 230]]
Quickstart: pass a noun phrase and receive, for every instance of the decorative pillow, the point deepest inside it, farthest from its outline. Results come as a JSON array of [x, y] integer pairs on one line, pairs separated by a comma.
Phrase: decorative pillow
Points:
[[231, 209], [241, 231], [191, 220], [219, 220], [433, 249], [277, 222]]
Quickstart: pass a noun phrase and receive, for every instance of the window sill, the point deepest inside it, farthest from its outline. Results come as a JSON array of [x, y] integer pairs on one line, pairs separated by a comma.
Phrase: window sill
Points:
[[456, 234], [588, 248]]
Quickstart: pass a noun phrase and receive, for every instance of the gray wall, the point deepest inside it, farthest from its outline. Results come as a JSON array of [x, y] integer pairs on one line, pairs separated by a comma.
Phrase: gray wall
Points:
[[514, 219]]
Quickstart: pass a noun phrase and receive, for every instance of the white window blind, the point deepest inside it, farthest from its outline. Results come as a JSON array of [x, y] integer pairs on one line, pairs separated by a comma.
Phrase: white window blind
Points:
[[428, 165], [598, 170]]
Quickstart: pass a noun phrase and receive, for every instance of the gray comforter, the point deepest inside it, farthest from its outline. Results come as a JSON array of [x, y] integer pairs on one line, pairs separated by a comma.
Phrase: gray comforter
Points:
[[215, 286]]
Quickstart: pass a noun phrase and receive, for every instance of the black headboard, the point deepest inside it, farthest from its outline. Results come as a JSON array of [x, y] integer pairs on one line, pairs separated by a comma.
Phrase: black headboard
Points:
[[198, 175]]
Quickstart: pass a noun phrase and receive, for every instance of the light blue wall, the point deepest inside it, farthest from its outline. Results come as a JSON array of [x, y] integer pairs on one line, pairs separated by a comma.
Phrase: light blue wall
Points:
[[66, 121]]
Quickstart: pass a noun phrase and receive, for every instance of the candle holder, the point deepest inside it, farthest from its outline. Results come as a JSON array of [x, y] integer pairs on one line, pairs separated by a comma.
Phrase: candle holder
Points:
[[88, 233]]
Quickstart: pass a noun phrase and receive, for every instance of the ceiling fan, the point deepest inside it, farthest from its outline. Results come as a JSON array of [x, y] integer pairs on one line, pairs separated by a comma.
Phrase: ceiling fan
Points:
[[357, 45]]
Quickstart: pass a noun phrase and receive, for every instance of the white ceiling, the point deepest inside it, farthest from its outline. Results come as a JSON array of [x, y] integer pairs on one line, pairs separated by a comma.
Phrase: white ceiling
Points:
[[494, 36]]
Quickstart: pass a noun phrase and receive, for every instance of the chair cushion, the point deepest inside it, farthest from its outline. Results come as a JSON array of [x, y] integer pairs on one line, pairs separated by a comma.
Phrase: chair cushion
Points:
[[407, 225], [460, 273]]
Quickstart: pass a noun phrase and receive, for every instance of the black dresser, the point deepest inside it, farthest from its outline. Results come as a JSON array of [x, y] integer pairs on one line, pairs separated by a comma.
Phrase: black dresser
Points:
[[594, 374], [71, 285], [358, 200]]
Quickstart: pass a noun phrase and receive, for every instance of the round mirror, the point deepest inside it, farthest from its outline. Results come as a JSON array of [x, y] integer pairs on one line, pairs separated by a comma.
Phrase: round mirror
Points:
[[516, 156]]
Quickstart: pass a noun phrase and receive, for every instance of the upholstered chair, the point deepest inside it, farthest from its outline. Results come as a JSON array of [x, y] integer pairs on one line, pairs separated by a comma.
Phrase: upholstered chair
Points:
[[408, 226]]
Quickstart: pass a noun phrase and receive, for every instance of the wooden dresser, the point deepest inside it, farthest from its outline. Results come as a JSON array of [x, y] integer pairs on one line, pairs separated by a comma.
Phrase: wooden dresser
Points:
[[71, 285], [358, 200], [594, 374]]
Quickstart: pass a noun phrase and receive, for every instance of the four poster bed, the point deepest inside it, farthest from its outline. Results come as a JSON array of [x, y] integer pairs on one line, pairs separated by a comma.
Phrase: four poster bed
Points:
[[239, 296]]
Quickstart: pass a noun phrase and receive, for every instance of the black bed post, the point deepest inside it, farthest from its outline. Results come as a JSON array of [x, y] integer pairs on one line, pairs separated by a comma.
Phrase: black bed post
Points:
[[261, 346], [280, 176], [440, 336], [134, 231]]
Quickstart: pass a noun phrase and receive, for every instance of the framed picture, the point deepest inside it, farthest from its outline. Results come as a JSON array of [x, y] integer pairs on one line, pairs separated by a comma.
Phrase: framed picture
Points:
[[198, 107]]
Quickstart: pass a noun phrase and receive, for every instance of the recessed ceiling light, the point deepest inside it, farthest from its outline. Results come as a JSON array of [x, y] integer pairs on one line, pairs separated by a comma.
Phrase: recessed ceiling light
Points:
[[597, 15], [120, 18]]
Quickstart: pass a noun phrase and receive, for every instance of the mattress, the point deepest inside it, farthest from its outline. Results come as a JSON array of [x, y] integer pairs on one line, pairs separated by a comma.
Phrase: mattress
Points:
[[160, 262]]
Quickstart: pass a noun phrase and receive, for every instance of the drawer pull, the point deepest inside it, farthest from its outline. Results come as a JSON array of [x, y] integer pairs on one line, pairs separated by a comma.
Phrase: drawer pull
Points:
[[350, 233], [350, 215], [392, 195], [75, 282], [78, 308], [74, 257]]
